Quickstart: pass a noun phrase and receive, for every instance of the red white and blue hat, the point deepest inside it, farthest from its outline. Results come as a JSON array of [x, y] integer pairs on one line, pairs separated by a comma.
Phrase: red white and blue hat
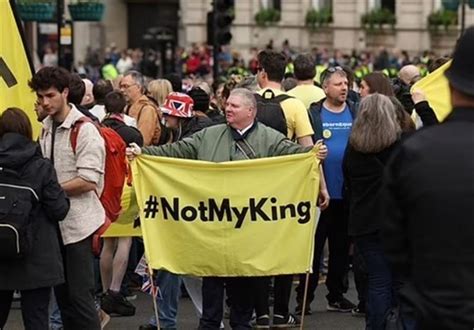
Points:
[[178, 105]]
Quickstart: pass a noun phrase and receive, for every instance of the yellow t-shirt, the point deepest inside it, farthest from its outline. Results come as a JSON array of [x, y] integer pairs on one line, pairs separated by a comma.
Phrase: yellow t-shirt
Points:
[[297, 118], [307, 94]]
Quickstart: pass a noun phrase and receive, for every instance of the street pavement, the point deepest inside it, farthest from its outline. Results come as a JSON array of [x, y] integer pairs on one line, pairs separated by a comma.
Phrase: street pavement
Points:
[[188, 319]]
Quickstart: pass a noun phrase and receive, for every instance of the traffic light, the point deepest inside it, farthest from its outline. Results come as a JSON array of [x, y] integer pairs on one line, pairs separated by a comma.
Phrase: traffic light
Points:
[[223, 17]]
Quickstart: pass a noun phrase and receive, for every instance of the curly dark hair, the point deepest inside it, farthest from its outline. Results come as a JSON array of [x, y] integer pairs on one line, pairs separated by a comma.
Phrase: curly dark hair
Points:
[[49, 77], [273, 63]]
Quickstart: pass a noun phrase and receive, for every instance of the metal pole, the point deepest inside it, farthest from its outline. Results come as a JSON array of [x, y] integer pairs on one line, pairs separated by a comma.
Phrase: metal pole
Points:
[[215, 46], [59, 22], [463, 16]]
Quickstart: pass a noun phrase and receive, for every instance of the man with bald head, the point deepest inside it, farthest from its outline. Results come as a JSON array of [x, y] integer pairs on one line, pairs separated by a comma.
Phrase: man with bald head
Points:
[[409, 74], [241, 138]]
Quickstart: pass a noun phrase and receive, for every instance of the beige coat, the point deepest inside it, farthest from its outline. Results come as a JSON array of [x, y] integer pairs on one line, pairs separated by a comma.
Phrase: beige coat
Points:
[[86, 214]]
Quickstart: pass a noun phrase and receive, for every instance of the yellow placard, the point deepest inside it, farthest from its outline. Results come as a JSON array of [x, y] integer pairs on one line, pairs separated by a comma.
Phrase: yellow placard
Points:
[[242, 218], [15, 68], [127, 224], [436, 88]]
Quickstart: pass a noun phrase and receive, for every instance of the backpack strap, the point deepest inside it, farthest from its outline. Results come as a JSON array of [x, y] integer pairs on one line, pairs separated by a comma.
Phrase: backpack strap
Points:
[[75, 131], [282, 97], [246, 148]]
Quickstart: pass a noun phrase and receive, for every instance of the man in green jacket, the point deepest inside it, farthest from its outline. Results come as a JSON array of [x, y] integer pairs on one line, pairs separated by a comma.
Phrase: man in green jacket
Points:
[[242, 138]]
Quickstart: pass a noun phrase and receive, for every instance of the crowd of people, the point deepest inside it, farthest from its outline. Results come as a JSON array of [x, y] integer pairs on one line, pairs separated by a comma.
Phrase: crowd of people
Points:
[[395, 191]]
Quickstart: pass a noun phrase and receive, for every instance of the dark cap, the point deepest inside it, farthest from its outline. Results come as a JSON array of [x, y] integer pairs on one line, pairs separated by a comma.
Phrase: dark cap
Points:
[[461, 72]]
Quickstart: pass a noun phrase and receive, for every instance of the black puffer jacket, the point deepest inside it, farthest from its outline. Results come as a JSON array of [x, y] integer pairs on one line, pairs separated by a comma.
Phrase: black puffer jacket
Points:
[[43, 267]]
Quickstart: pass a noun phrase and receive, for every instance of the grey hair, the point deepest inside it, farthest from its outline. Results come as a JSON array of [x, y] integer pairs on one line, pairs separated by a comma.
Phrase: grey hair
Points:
[[249, 83], [328, 75], [137, 77], [247, 97], [376, 126]]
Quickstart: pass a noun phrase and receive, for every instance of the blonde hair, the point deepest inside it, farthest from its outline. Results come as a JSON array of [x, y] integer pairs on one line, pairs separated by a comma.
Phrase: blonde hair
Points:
[[159, 90], [376, 126]]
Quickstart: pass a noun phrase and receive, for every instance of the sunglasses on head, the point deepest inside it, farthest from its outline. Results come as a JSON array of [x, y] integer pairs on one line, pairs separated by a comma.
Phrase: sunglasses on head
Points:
[[334, 69], [329, 71]]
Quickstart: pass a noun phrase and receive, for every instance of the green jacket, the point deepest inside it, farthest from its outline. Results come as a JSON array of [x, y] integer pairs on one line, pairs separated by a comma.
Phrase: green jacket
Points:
[[217, 144]]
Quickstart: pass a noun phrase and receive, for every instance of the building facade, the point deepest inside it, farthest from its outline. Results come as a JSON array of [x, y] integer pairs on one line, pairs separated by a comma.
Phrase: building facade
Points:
[[164, 24]]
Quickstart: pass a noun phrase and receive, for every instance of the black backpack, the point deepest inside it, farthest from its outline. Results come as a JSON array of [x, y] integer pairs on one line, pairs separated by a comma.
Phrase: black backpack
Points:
[[17, 202], [270, 112], [128, 133]]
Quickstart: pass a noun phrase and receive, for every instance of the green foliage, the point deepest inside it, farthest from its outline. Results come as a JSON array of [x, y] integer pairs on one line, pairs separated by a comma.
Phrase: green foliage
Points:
[[378, 16], [267, 16], [318, 18], [444, 18]]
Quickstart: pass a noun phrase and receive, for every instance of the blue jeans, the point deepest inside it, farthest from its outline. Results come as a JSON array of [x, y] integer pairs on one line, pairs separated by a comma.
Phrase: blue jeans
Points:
[[55, 321], [167, 299], [379, 295]]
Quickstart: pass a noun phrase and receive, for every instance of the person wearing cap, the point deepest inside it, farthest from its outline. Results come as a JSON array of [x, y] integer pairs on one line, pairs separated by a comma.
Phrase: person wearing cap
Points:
[[428, 230], [180, 116]]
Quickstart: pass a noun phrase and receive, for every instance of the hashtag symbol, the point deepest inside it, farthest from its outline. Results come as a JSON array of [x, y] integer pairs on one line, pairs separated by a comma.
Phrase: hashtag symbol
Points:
[[151, 207]]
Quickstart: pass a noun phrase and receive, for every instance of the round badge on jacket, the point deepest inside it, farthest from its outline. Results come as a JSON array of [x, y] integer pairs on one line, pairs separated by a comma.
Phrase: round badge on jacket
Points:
[[327, 134]]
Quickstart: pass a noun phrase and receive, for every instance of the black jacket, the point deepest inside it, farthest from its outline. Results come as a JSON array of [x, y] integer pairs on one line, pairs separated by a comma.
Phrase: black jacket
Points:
[[43, 267], [315, 117], [429, 224], [363, 176], [191, 126]]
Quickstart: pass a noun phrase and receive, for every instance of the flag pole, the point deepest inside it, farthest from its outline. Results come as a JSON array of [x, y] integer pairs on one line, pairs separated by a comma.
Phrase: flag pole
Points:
[[303, 311], [154, 294]]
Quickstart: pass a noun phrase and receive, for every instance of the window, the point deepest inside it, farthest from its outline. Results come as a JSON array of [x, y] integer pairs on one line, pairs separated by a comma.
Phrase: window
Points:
[[388, 4]]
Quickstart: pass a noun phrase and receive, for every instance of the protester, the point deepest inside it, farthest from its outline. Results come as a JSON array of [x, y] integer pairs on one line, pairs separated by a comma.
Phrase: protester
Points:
[[80, 174], [41, 268], [115, 251], [269, 77], [332, 119], [305, 71], [140, 107], [218, 144], [158, 90], [375, 82], [428, 229], [372, 140], [179, 115]]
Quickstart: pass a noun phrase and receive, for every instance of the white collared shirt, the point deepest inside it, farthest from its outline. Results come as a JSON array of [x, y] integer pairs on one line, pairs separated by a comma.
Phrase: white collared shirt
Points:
[[242, 131]]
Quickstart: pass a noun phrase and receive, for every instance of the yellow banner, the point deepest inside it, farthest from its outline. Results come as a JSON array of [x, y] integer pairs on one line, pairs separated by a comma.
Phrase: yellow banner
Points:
[[436, 88], [15, 68], [242, 218], [127, 224]]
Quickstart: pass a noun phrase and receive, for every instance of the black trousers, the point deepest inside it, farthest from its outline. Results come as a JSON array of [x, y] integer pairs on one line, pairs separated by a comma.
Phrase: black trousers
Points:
[[333, 227], [239, 290], [34, 308], [76, 296], [282, 293]]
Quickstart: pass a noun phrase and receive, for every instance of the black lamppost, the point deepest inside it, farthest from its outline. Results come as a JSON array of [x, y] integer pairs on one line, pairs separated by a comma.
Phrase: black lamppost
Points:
[[60, 23], [463, 16]]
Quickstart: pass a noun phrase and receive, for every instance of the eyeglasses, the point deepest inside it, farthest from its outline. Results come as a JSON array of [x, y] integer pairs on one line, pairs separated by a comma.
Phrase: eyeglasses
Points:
[[125, 86]]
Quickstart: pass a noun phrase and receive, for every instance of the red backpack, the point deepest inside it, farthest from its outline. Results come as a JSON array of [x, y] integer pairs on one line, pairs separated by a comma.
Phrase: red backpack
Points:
[[115, 173]]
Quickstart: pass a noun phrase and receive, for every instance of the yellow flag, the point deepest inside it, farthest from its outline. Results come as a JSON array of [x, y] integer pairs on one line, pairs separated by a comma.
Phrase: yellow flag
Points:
[[436, 88], [127, 224], [15, 67], [243, 218]]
